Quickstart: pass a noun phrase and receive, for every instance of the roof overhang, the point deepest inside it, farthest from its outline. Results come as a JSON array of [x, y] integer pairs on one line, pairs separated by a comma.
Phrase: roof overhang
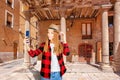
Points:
[[54, 9]]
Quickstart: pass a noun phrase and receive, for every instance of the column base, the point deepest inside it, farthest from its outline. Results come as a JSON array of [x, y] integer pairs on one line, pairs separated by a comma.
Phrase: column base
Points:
[[116, 68], [116, 62], [106, 68]]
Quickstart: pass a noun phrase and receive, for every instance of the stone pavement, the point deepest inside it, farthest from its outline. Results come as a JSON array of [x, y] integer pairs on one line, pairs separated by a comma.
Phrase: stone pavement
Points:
[[14, 70], [82, 71]]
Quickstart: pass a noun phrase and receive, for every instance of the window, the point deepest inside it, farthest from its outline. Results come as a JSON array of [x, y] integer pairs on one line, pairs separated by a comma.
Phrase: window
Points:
[[9, 19], [10, 3], [110, 21], [86, 30]]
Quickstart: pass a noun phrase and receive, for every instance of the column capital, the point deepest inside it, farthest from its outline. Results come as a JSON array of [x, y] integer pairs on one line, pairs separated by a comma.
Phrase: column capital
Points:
[[26, 11], [27, 14], [106, 7]]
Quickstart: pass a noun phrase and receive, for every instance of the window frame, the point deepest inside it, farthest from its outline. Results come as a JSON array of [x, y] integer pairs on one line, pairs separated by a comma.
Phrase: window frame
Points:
[[6, 12], [12, 4], [110, 21], [86, 36]]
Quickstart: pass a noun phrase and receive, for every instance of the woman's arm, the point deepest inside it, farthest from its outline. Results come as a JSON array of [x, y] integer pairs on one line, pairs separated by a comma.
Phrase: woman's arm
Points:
[[36, 52], [66, 50]]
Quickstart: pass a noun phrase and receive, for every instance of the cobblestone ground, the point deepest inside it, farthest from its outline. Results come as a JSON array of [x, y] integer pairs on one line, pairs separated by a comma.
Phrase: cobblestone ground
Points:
[[80, 71], [14, 70]]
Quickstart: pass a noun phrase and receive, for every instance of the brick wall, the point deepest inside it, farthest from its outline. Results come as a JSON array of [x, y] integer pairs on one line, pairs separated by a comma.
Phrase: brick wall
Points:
[[8, 36], [74, 37]]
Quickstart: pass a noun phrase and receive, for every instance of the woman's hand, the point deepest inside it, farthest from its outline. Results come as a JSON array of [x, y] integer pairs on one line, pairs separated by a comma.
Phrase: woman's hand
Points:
[[63, 37]]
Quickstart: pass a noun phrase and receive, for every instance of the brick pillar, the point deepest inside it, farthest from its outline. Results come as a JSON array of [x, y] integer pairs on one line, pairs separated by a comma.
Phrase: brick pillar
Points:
[[105, 41], [117, 36], [63, 29]]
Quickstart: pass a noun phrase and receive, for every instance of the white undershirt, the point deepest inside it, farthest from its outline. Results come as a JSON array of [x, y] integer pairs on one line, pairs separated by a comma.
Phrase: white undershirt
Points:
[[54, 61]]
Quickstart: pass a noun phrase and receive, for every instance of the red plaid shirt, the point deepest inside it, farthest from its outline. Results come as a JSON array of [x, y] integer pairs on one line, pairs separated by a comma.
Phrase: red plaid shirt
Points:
[[46, 59]]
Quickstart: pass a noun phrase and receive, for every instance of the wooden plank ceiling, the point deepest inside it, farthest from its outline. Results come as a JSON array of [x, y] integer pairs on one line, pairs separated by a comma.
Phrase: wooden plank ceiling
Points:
[[54, 9]]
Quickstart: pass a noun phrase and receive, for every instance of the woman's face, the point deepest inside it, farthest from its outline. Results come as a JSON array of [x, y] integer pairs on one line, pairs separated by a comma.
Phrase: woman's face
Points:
[[50, 34]]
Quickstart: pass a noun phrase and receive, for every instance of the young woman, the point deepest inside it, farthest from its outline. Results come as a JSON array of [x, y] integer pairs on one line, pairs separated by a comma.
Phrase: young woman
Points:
[[52, 64]]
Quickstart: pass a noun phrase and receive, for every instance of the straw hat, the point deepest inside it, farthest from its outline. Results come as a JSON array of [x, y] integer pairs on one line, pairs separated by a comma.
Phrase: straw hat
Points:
[[54, 27]]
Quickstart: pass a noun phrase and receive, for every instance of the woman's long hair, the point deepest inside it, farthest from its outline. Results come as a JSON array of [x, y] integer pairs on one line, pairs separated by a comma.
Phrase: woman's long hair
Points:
[[58, 48]]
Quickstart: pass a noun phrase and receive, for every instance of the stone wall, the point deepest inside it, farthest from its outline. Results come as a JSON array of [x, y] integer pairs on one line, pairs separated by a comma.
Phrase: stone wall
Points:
[[8, 36]]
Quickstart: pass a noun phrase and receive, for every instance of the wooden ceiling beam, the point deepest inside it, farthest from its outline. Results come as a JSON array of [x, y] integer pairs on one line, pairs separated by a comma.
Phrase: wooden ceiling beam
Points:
[[68, 12], [36, 2], [52, 10], [87, 11], [58, 15], [49, 11], [43, 11], [41, 14], [91, 13], [39, 18], [79, 12], [83, 12], [99, 11], [48, 14], [95, 12]]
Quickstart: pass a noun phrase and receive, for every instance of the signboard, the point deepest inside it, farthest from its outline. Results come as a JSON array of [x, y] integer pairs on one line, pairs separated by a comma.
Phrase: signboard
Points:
[[27, 33]]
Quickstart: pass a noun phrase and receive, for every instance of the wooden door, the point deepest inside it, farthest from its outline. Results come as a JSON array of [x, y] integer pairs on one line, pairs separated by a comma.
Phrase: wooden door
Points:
[[85, 52], [15, 50]]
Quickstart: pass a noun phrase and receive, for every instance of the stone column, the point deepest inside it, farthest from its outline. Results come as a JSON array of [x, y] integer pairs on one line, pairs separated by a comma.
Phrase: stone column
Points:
[[116, 42], [63, 25], [63, 29], [105, 41], [27, 40]]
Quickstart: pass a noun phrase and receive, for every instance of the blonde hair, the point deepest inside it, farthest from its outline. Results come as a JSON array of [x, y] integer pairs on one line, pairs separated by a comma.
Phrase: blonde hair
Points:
[[58, 49]]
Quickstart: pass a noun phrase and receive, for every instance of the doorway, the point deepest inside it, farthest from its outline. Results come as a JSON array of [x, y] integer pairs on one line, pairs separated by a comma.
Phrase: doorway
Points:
[[15, 50], [85, 52]]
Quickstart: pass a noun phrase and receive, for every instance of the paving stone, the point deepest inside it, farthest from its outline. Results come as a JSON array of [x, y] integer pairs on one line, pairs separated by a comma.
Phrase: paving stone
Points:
[[75, 71]]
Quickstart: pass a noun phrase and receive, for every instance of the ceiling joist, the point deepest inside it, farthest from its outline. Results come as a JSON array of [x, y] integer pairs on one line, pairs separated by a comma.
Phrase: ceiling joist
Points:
[[54, 9]]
